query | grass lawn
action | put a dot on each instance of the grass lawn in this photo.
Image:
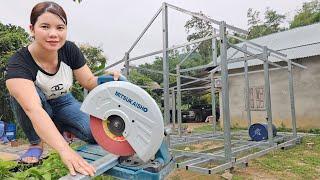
(299, 162)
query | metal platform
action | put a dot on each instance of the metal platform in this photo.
(212, 160)
(99, 158)
(121, 167)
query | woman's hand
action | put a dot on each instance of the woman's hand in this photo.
(76, 163)
(116, 74)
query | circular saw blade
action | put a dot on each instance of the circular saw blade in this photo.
(108, 141)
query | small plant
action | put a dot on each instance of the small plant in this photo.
(51, 168)
(314, 131)
(5, 169)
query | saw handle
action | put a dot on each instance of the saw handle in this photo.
(107, 78)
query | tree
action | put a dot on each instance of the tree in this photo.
(12, 38)
(141, 79)
(197, 28)
(96, 61)
(271, 23)
(157, 65)
(94, 56)
(309, 14)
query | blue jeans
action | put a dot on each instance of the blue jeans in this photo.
(64, 112)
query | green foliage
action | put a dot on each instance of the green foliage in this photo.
(5, 167)
(77, 91)
(314, 130)
(174, 58)
(94, 56)
(198, 28)
(157, 65)
(271, 23)
(12, 38)
(308, 14)
(51, 168)
(96, 61)
(140, 79)
(283, 128)
(206, 99)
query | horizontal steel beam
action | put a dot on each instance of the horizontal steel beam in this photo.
(263, 152)
(197, 68)
(279, 57)
(239, 30)
(252, 72)
(187, 56)
(252, 54)
(195, 88)
(202, 79)
(172, 48)
(197, 154)
(101, 165)
(258, 45)
(161, 72)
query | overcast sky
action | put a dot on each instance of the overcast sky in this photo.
(115, 25)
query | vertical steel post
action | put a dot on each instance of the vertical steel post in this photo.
(126, 65)
(214, 48)
(165, 63)
(292, 103)
(225, 91)
(179, 100)
(247, 88)
(213, 90)
(213, 102)
(267, 95)
(173, 111)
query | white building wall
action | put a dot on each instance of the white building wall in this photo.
(307, 96)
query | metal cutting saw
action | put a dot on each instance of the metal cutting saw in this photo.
(127, 122)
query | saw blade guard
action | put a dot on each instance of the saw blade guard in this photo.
(144, 127)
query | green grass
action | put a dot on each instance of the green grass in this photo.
(206, 128)
(301, 161)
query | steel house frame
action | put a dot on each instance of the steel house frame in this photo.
(234, 143)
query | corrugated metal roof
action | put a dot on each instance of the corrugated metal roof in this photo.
(295, 43)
